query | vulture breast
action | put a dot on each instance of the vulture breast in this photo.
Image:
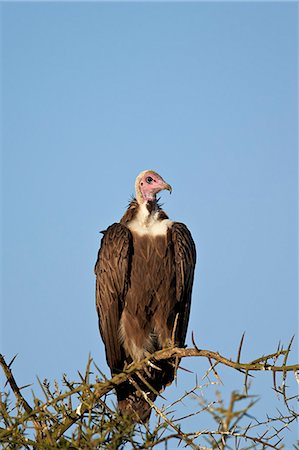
(150, 304)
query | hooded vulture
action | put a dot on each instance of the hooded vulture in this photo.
(144, 276)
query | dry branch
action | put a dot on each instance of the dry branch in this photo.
(58, 418)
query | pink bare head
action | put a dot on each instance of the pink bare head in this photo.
(148, 184)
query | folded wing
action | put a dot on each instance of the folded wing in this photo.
(112, 271)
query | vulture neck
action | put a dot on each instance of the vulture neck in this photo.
(148, 220)
(148, 211)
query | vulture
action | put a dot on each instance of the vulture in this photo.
(144, 277)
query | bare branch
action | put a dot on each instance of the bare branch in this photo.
(56, 415)
(12, 382)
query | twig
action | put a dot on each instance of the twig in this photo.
(12, 382)
(101, 388)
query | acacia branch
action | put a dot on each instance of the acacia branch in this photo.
(90, 394)
(12, 382)
(103, 388)
(259, 365)
(17, 391)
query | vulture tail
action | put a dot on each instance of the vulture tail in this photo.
(130, 395)
(131, 403)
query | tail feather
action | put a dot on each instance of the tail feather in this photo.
(136, 407)
(131, 399)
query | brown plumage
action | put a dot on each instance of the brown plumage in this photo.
(144, 276)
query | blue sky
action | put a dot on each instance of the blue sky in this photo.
(203, 93)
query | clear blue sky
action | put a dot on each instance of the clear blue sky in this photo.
(203, 93)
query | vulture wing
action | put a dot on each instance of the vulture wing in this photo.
(112, 271)
(185, 258)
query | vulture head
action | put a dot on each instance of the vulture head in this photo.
(148, 184)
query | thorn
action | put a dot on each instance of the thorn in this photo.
(214, 370)
(153, 366)
(100, 372)
(193, 341)
(78, 410)
(274, 380)
(11, 362)
(25, 386)
(278, 347)
(82, 378)
(240, 348)
(184, 369)
(245, 383)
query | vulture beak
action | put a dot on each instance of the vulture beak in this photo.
(168, 187)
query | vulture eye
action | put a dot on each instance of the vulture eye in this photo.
(149, 180)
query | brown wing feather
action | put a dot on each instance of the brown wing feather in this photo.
(185, 259)
(112, 271)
